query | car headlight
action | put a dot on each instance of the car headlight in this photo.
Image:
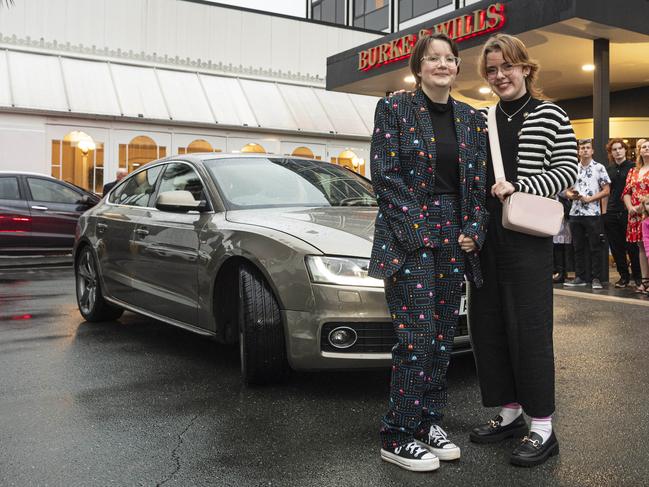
(345, 271)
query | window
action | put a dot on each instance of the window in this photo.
(51, 191)
(181, 177)
(137, 189)
(372, 14)
(198, 145)
(328, 11)
(78, 159)
(139, 151)
(409, 9)
(9, 189)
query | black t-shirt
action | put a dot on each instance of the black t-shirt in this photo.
(447, 171)
(618, 174)
(509, 116)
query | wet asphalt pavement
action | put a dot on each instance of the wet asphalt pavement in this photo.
(138, 402)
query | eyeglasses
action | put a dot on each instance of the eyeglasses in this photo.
(506, 69)
(438, 60)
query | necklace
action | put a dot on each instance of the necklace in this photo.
(509, 117)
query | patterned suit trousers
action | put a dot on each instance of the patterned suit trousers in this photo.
(424, 301)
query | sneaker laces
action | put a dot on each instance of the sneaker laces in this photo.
(414, 448)
(438, 435)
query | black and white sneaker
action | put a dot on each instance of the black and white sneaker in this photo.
(437, 442)
(411, 456)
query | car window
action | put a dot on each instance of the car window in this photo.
(52, 191)
(9, 188)
(274, 182)
(137, 189)
(181, 177)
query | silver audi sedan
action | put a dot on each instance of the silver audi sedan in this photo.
(268, 251)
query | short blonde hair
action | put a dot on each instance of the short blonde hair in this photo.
(514, 52)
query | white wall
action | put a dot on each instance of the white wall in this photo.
(22, 143)
(177, 28)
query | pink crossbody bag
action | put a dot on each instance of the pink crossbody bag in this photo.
(523, 212)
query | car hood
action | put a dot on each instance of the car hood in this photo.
(334, 231)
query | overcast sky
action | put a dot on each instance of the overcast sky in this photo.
(288, 7)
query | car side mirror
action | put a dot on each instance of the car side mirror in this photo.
(85, 200)
(178, 202)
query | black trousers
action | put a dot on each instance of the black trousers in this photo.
(615, 225)
(564, 258)
(510, 320)
(586, 231)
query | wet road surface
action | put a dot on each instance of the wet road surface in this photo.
(138, 402)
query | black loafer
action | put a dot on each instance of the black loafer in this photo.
(532, 451)
(493, 432)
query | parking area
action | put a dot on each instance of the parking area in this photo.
(138, 402)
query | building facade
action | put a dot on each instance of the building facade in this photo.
(591, 54)
(87, 87)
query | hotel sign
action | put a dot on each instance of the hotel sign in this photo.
(477, 23)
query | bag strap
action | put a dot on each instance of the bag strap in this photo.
(494, 145)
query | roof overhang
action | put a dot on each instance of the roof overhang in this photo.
(558, 33)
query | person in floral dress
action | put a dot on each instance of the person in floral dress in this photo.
(637, 187)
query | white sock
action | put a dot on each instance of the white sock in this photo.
(542, 427)
(509, 412)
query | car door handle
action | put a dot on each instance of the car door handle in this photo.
(39, 207)
(142, 232)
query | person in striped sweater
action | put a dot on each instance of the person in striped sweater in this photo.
(511, 315)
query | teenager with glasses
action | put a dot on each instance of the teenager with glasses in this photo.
(511, 315)
(428, 161)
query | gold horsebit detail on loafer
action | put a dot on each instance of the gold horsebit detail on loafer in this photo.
(527, 439)
(493, 423)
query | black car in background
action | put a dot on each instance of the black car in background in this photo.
(38, 213)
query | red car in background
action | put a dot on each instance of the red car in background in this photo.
(38, 213)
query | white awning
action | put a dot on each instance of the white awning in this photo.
(89, 87)
(228, 101)
(37, 81)
(268, 105)
(5, 92)
(139, 92)
(52, 83)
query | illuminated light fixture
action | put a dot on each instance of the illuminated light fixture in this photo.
(409, 79)
(588, 67)
(81, 140)
(484, 90)
(626, 141)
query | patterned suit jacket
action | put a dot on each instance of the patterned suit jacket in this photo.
(403, 157)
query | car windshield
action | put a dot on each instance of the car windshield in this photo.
(278, 182)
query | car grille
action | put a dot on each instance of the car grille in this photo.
(373, 337)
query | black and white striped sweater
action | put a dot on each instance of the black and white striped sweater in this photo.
(547, 151)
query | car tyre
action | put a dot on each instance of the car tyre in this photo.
(90, 299)
(261, 332)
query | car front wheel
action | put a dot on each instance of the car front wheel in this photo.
(90, 299)
(261, 334)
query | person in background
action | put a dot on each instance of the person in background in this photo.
(428, 172)
(645, 228)
(511, 316)
(593, 184)
(119, 175)
(562, 245)
(638, 143)
(637, 187)
(616, 216)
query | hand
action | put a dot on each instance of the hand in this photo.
(571, 194)
(502, 189)
(467, 244)
(585, 199)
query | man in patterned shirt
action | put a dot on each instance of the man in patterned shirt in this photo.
(593, 184)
